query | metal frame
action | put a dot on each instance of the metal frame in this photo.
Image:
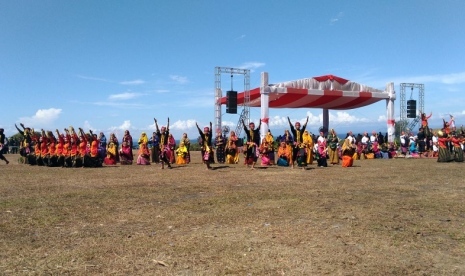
(245, 114)
(404, 122)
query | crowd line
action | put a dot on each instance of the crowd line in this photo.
(75, 148)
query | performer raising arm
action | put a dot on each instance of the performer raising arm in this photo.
(298, 140)
(165, 151)
(253, 140)
(207, 151)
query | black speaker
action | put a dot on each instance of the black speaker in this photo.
(411, 104)
(411, 109)
(231, 102)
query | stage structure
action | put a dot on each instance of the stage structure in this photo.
(404, 123)
(245, 102)
(326, 92)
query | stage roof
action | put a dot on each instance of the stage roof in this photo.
(329, 92)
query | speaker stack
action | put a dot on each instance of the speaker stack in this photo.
(231, 102)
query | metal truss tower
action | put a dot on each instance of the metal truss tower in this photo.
(404, 122)
(245, 114)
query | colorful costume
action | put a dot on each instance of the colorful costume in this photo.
(253, 140)
(125, 154)
(187, 144)
(155, 148)
(347, 154)
(284, 155)
(220, 148)
(321, 155)
(332, 149)
(110, 159)
(458, 152)
(144, 154)
(207, 150)
(444, 153)
(182, 154)
(233, 138)
(298, 150)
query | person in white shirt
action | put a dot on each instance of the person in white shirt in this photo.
(374, 137)
(351, 137)
(435, 144)
(403, 143)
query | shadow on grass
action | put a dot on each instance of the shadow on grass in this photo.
(219, 168)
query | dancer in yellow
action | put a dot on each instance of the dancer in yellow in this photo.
(308, 146)
(182, 154)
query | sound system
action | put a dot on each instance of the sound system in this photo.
(411, 109)
(231, 102)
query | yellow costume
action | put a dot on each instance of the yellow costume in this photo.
(182, 154)
(308, 144)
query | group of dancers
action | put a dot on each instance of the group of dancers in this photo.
(79, 149)
(295, 147)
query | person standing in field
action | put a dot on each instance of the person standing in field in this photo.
(187, 143)
(332, 147)
(220, 145)
(2, 143)
(252, 144)
(207, 150)
(172, 146)
(165, 152)
(298, 140)
(458, 152)
(155, 148)
(233, 145)
(444, 153)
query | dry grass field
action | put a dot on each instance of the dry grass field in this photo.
(381, 217)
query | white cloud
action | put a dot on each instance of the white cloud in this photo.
(42, 118)
(382, 118)
(453, 78)
(335, 19)
(278, 121)
(120, 105)
(241, 37)
(179, 79)
(132, 82)
(449, 79)
(342, 117)
(125, 96)
(229, 124)
(125, 126)
(162, 91)
(92, 78)
(183, 125)
(251, 65)
(88, 126)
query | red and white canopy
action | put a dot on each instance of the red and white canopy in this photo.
(328, 92)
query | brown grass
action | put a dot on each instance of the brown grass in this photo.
(382, 217)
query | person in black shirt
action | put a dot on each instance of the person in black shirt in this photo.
(165, 151)
(253, 142)
(2, 144)
(207, 150)
(421, 141)
(298, 140)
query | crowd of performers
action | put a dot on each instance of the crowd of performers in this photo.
(295, 147)
(79, 149)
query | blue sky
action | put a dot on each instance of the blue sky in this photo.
(114, 65)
